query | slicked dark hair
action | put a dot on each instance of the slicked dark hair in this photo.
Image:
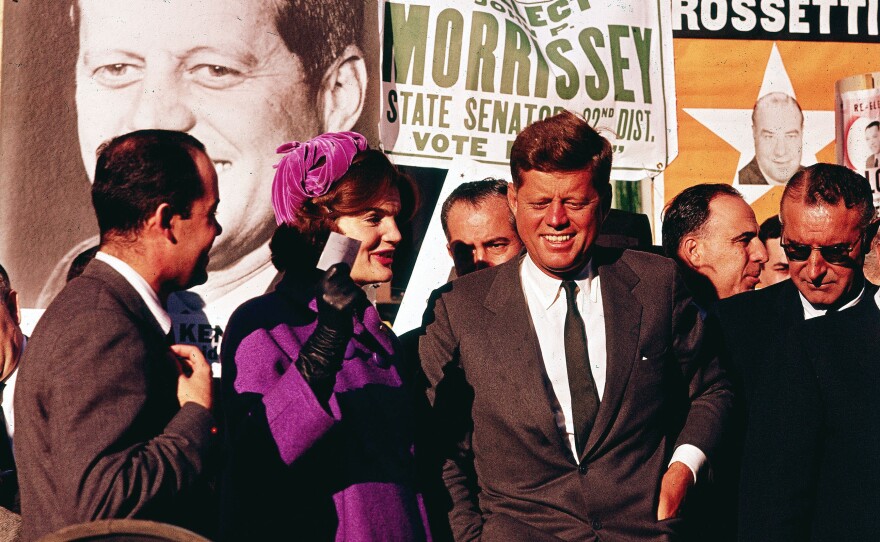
(831, 184)
(688, 212)
(873, 124)
(317, 31)
(770, 229)
(562, 143)
(475, 193)
(139, 171)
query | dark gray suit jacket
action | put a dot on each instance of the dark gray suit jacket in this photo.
(101, 434)
(751, 174)
(835, 383)
(511, 474)
(763, 337)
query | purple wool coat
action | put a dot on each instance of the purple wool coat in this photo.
(295, 471)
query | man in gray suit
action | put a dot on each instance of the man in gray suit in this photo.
(572, 385)
(118, 419)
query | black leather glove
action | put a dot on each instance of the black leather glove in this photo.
(321, 356)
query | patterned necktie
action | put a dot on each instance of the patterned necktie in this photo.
(584, 398)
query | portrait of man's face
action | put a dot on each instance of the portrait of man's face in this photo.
(872, 137)
(217, 69)
(778, 133)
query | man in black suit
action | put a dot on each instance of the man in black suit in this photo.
(778, 131)
(712, 233)
(872, 138)
(825, 210)
(12, 342)
(118, 419)
(834, 384)
(570, 409)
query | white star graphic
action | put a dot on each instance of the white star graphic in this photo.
(735, 125)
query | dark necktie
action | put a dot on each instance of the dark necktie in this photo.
(6, 461)
(584, 398)
(8, 478)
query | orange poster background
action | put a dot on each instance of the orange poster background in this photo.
(727, 74)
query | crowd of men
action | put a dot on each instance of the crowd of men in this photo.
(579, 389)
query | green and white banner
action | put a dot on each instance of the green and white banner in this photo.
(461, 79)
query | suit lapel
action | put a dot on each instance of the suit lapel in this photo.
(623, 314)
(126, 294)
(514, 344)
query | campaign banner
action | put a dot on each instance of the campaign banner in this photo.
(857, 123)
(755, 85)
(461, 79)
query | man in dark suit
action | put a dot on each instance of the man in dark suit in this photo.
(778, 131)
(825, 210)
(833, 381)
(118, 420)
(12, 342)
(872, 138)
(712, 233)
(570, 410)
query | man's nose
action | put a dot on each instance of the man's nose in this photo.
(163, 103)
(757, 251)
(556, 215)
(479, 256)
(779, 147)
(816, 266)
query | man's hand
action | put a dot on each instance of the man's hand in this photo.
(194, 380)
(673, 490)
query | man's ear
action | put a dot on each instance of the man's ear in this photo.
(690, 252)
(511, 198)
(162, 221)
(605, 200)
(13, 306)
(342, 91)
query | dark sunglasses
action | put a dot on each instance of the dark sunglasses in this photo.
(835, 254)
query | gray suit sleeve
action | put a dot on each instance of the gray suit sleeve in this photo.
(100, 401)
(696, 343)
(438, 351)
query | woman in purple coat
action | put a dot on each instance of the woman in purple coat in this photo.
(318, 406)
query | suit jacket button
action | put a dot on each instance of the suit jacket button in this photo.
(597, 525)
(582, 468)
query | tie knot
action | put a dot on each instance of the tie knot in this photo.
(571, 289)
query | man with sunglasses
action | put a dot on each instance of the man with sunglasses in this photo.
(825, 210)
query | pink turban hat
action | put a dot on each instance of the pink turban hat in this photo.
(308, 170)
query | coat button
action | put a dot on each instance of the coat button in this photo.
(597, 525)
(582, 468)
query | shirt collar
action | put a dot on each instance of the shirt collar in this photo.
(812, 312)
(141, 286)
(548, 288)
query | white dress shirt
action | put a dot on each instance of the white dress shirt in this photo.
(812, 312)
(141, 286)
(547, 306)
(7, 397)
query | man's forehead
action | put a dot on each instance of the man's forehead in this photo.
(770, 115)
(466, 214)
(801, 216)
(558, 182)
(730, 215)
(174, 25)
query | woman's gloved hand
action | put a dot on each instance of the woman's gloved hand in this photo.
(321, 356)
